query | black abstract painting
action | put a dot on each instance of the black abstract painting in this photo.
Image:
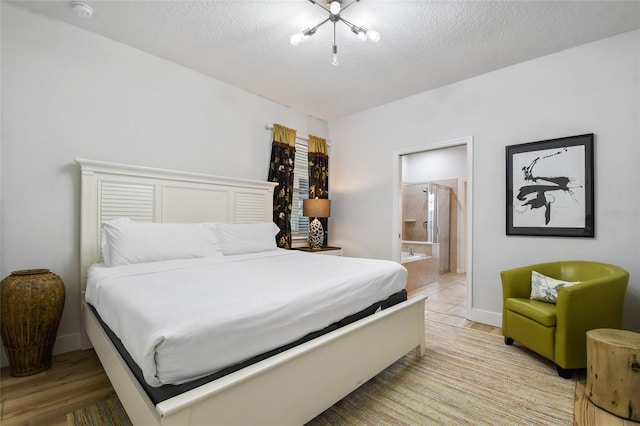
(550, 187)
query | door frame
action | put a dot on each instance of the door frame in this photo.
(397, 202)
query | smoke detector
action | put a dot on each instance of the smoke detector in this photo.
(81, 9)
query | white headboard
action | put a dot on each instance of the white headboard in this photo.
(111, 190)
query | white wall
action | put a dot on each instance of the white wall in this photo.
(589, 89)
(437, 164)
(68, 93)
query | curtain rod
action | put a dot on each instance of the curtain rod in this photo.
(269, 127)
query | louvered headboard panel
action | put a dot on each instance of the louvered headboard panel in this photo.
(121, 199)
(111, 190)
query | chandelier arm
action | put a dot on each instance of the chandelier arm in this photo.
(349, 24)
(344, 7)
(320, 5)
(334, 62)
(313, 29)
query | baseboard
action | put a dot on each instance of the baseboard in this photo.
(66, 343)
(485, 317)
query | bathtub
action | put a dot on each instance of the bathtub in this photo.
(421, 267)
(406, 257)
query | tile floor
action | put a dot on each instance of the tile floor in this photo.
(447, 302)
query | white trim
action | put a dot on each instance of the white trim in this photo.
(461, 268)
(484, 317)
(396, 215)
(167, 174)
(67, 343)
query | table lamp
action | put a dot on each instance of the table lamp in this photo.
(315, 208)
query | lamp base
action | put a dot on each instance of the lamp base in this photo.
(316, 234)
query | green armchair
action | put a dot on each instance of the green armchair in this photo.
(558, 331)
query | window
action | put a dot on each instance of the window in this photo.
(300, 223)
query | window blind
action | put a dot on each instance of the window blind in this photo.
(300, 223)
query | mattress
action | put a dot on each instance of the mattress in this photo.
(164, 392)
(181, 320)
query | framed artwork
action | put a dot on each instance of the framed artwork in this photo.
(550, 187)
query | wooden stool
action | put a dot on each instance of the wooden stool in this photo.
(613, 371)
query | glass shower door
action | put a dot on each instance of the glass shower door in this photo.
(438, 224)
(443, 225)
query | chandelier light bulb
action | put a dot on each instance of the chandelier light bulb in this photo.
(335, 7)
(335, 59)
(374, 36)
(362, 35)
(296, 38)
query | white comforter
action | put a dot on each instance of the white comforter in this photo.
(183, 319)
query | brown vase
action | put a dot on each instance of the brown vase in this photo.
(31, 301)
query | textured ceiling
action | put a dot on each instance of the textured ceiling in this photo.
(424, 44)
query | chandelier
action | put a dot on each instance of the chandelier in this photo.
(335, 9)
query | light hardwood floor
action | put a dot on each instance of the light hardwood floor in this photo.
(77, 379)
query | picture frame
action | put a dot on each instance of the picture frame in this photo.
(550, 187)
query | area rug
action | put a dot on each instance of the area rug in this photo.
(105, 413)
(467, 377)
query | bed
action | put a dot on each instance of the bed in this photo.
(291, 386)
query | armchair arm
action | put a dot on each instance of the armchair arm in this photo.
(586, 306)
(517, 282)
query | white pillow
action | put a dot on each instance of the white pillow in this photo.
(239, 238)
(125, 241)
(546, 288)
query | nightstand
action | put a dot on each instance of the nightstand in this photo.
(331, 251)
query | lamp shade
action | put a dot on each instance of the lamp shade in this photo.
(318, 207)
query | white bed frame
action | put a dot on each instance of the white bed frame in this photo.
(290, 388)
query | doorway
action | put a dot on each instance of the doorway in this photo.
(447, 199)
(428, 214)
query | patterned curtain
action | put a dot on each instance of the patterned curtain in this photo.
(283, 153)
(319, 175)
